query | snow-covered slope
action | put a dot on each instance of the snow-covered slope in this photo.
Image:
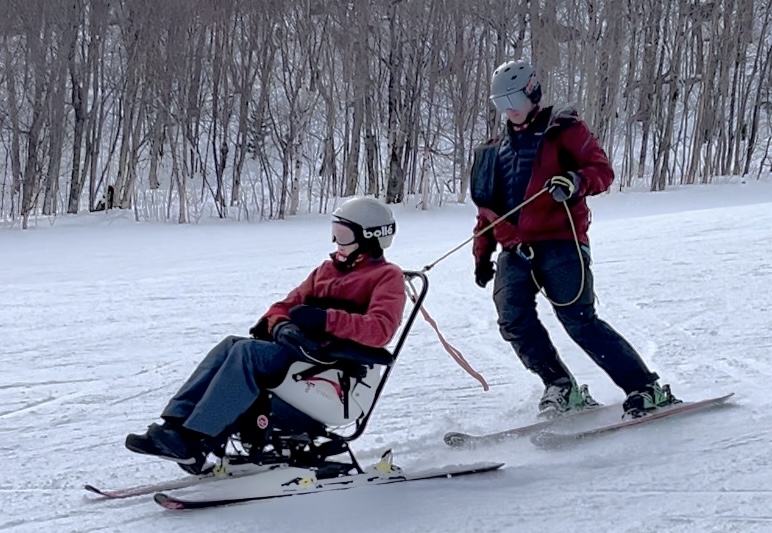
(102, 319)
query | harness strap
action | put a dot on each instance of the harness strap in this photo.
(345, 387)
(345, 373)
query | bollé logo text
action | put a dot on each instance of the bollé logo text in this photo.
(383, 231)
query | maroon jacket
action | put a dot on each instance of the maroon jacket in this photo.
(567, 145)
(372, 293)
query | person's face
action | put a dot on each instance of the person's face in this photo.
(518, 116)
(344, 238)
(515, 106)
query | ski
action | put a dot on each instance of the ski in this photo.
(551, 439)
(307, 485)
(217, 474)
(458, 440)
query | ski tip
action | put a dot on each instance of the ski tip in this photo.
(108, 494)
(93, 489)
(167, 502)
(491, 467)
(455, 439)
(480, 468)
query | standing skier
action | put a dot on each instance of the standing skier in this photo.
(545, 246)
(356, 296)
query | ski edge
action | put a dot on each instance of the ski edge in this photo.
(141, 490)
(549, 439)
(457, 439)
(172, 503)
(175, 484)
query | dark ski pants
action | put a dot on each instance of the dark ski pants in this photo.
(557, 268)
(225, 383)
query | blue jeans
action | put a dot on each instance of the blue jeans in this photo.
(557, 268)
(227, 382)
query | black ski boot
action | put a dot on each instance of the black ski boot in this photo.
(650, 398)
(564, 395)
(171, 443)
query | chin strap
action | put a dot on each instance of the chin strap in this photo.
(351, 261)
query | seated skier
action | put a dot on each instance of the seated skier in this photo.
(354, 298)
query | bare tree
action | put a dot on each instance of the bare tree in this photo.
(762, 68)
(291, 115)
(37, 34)
(396, 143)
(261, 104)
(78, 99)
(251, 61)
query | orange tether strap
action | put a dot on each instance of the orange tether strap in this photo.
(452, 350)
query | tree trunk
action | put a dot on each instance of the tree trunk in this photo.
(32, 165)
(79, 109)
(371, 149)
(352, 163)
(396, 181)
(55, 136)
(13, 114)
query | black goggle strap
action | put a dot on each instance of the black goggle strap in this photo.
(356, 232)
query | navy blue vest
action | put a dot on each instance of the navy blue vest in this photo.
(514, 165)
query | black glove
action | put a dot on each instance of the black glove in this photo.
(564, 188)
(289, 335)
(309, 318)
(260, 330)
(483, 273)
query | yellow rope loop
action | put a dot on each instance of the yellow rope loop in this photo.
(581, 264)
(533, 276)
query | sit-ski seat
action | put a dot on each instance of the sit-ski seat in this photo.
(335, 394)
(319, 400)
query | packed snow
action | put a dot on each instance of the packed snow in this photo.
(102, 319)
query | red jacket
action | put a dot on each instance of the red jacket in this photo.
(567, 145)
(374, 288)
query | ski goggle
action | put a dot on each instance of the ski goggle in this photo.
(343, 235)
(516, 100)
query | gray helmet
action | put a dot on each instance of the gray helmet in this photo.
(514, 86)
(369, 218)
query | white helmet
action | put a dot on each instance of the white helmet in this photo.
(514, 85)
(369, 218)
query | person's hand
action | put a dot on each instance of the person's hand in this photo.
(563, 188)
(260, 330)
(289, 335)
(483, 272)
(309, 318)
